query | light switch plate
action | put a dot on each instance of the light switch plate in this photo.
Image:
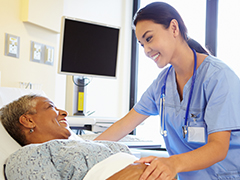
(36, 51)
(12, 44)
(49, 55)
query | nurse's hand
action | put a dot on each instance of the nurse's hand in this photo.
(160, 168)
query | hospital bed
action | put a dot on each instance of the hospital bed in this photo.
(8, 145)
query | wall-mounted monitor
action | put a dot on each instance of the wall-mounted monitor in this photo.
(88, 48)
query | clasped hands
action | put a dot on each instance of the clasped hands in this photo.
(147, 168)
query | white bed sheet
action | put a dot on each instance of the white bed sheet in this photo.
(109, 166)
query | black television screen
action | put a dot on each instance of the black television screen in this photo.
(88, 48)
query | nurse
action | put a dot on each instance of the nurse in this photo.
(197, 98)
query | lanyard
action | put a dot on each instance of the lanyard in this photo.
(162, 99)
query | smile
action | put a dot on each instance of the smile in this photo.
(155, 56)
(62, 121)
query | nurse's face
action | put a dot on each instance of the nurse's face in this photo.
(157, 41)
(50, 122)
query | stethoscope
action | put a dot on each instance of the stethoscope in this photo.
(163, 130)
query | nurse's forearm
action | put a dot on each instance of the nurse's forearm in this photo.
(214, 151)
(122, 127)
(113, 133)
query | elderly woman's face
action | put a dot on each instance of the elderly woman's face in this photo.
(50, 122)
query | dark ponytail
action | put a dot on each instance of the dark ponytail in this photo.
(162, 13)
(195, 45)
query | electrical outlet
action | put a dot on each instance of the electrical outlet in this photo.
(12, 44)
(36, 52)
(49, 55)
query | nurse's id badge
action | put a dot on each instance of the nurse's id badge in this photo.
(196, 134)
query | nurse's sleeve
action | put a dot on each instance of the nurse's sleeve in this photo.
(223, 108)
(148, 104)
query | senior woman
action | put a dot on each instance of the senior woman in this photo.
(47, 153)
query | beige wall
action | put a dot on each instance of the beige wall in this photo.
(15, 70)
(107, 97)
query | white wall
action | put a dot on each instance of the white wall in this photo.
(107, 97)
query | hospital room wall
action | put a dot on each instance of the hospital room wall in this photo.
(107, 97)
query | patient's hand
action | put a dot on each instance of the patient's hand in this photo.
(131, 172)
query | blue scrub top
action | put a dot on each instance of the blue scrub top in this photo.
(215, 104)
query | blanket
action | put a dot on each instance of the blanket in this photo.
(59, 159)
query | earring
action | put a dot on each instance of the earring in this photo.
(31, 130)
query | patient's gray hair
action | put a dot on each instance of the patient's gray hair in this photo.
(10, 114)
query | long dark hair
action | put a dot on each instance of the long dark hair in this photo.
(162, 13)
